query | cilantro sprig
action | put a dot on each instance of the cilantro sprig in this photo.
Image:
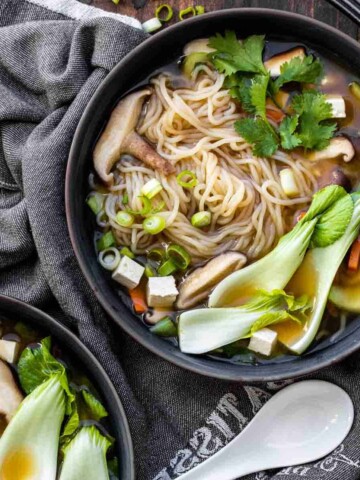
(241, 62)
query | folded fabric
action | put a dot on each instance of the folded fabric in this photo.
(53, 56)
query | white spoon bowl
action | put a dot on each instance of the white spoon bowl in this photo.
(300, 424)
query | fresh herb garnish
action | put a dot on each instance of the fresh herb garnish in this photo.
(232, 56)
(298, 69)
(313, 112)
(309, 124)
(260, 134)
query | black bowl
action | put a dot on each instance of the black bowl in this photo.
(13, 308)
(154, 53)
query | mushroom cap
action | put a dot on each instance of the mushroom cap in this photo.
(197, 286)
(338, 147)
(122, 122)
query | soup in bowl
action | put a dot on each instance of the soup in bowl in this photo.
(60, 416)
(223, 188)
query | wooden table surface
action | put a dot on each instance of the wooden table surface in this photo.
(319, 9)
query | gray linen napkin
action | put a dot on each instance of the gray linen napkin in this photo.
(53, 55)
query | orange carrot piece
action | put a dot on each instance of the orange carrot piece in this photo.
(275, 115)
(354, 258)
(300, 216)
(137, 296)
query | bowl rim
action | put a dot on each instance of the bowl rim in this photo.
(101, 380)
(222, 371)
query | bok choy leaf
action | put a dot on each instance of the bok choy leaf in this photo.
(85, 456)
(275, 269)
(30, 441)
(206, 329)
(325, 263)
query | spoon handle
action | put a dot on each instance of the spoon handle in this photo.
(227, 464)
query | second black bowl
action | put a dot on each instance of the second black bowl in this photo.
(12, 308)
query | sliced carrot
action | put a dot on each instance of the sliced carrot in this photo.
(137, 296)
(300, 216)
(354, 258)
(275, 114)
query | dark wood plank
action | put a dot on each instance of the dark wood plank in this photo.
(319, 9)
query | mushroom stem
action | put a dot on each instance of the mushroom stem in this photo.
(120, 137)
(10, 395)
(135, 145)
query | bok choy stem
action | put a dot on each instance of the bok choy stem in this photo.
(85, 456)
(32, 436)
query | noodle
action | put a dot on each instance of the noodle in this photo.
(193, 128)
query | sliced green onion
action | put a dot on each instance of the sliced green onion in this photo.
(192, 60)
(179, 256)
(187, 11)
(157, 254)
(124, 219)
(146, 207)
(354, 88)
(199, 9)
(187, 184)
(154, 224)
(151, 188)
(127, 252)
(169, 12)
(167, 268)
(201, 219)
(165, 328)
(109, 258)
(102, 219)
(106, 241)
(95, 202)
(125, 199)
(152, 25)
(116, 2)
(149, 271)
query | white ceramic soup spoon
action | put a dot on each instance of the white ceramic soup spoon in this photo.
(301, 423)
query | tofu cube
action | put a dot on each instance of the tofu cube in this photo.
(263, 341)
(288, 183)
(273, 65)
(9, 350)
(161, 291)
(128, 273)
(338, 105)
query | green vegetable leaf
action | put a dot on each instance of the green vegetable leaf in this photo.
(233, 56)
(205, 329)
(96, 409)
(37, 365)
(333, 223)
(314, 128)
(258, 91)
(72, 424)
(260, 134)
(324, 199)
(239, 88)
(298, 69)
(289, 139)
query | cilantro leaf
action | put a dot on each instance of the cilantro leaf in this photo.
(289, 139)
(239, 88)
(232, 55)
(302, 70)
(251, 92)
(312, 109)
(258, 91)
(260, 134)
